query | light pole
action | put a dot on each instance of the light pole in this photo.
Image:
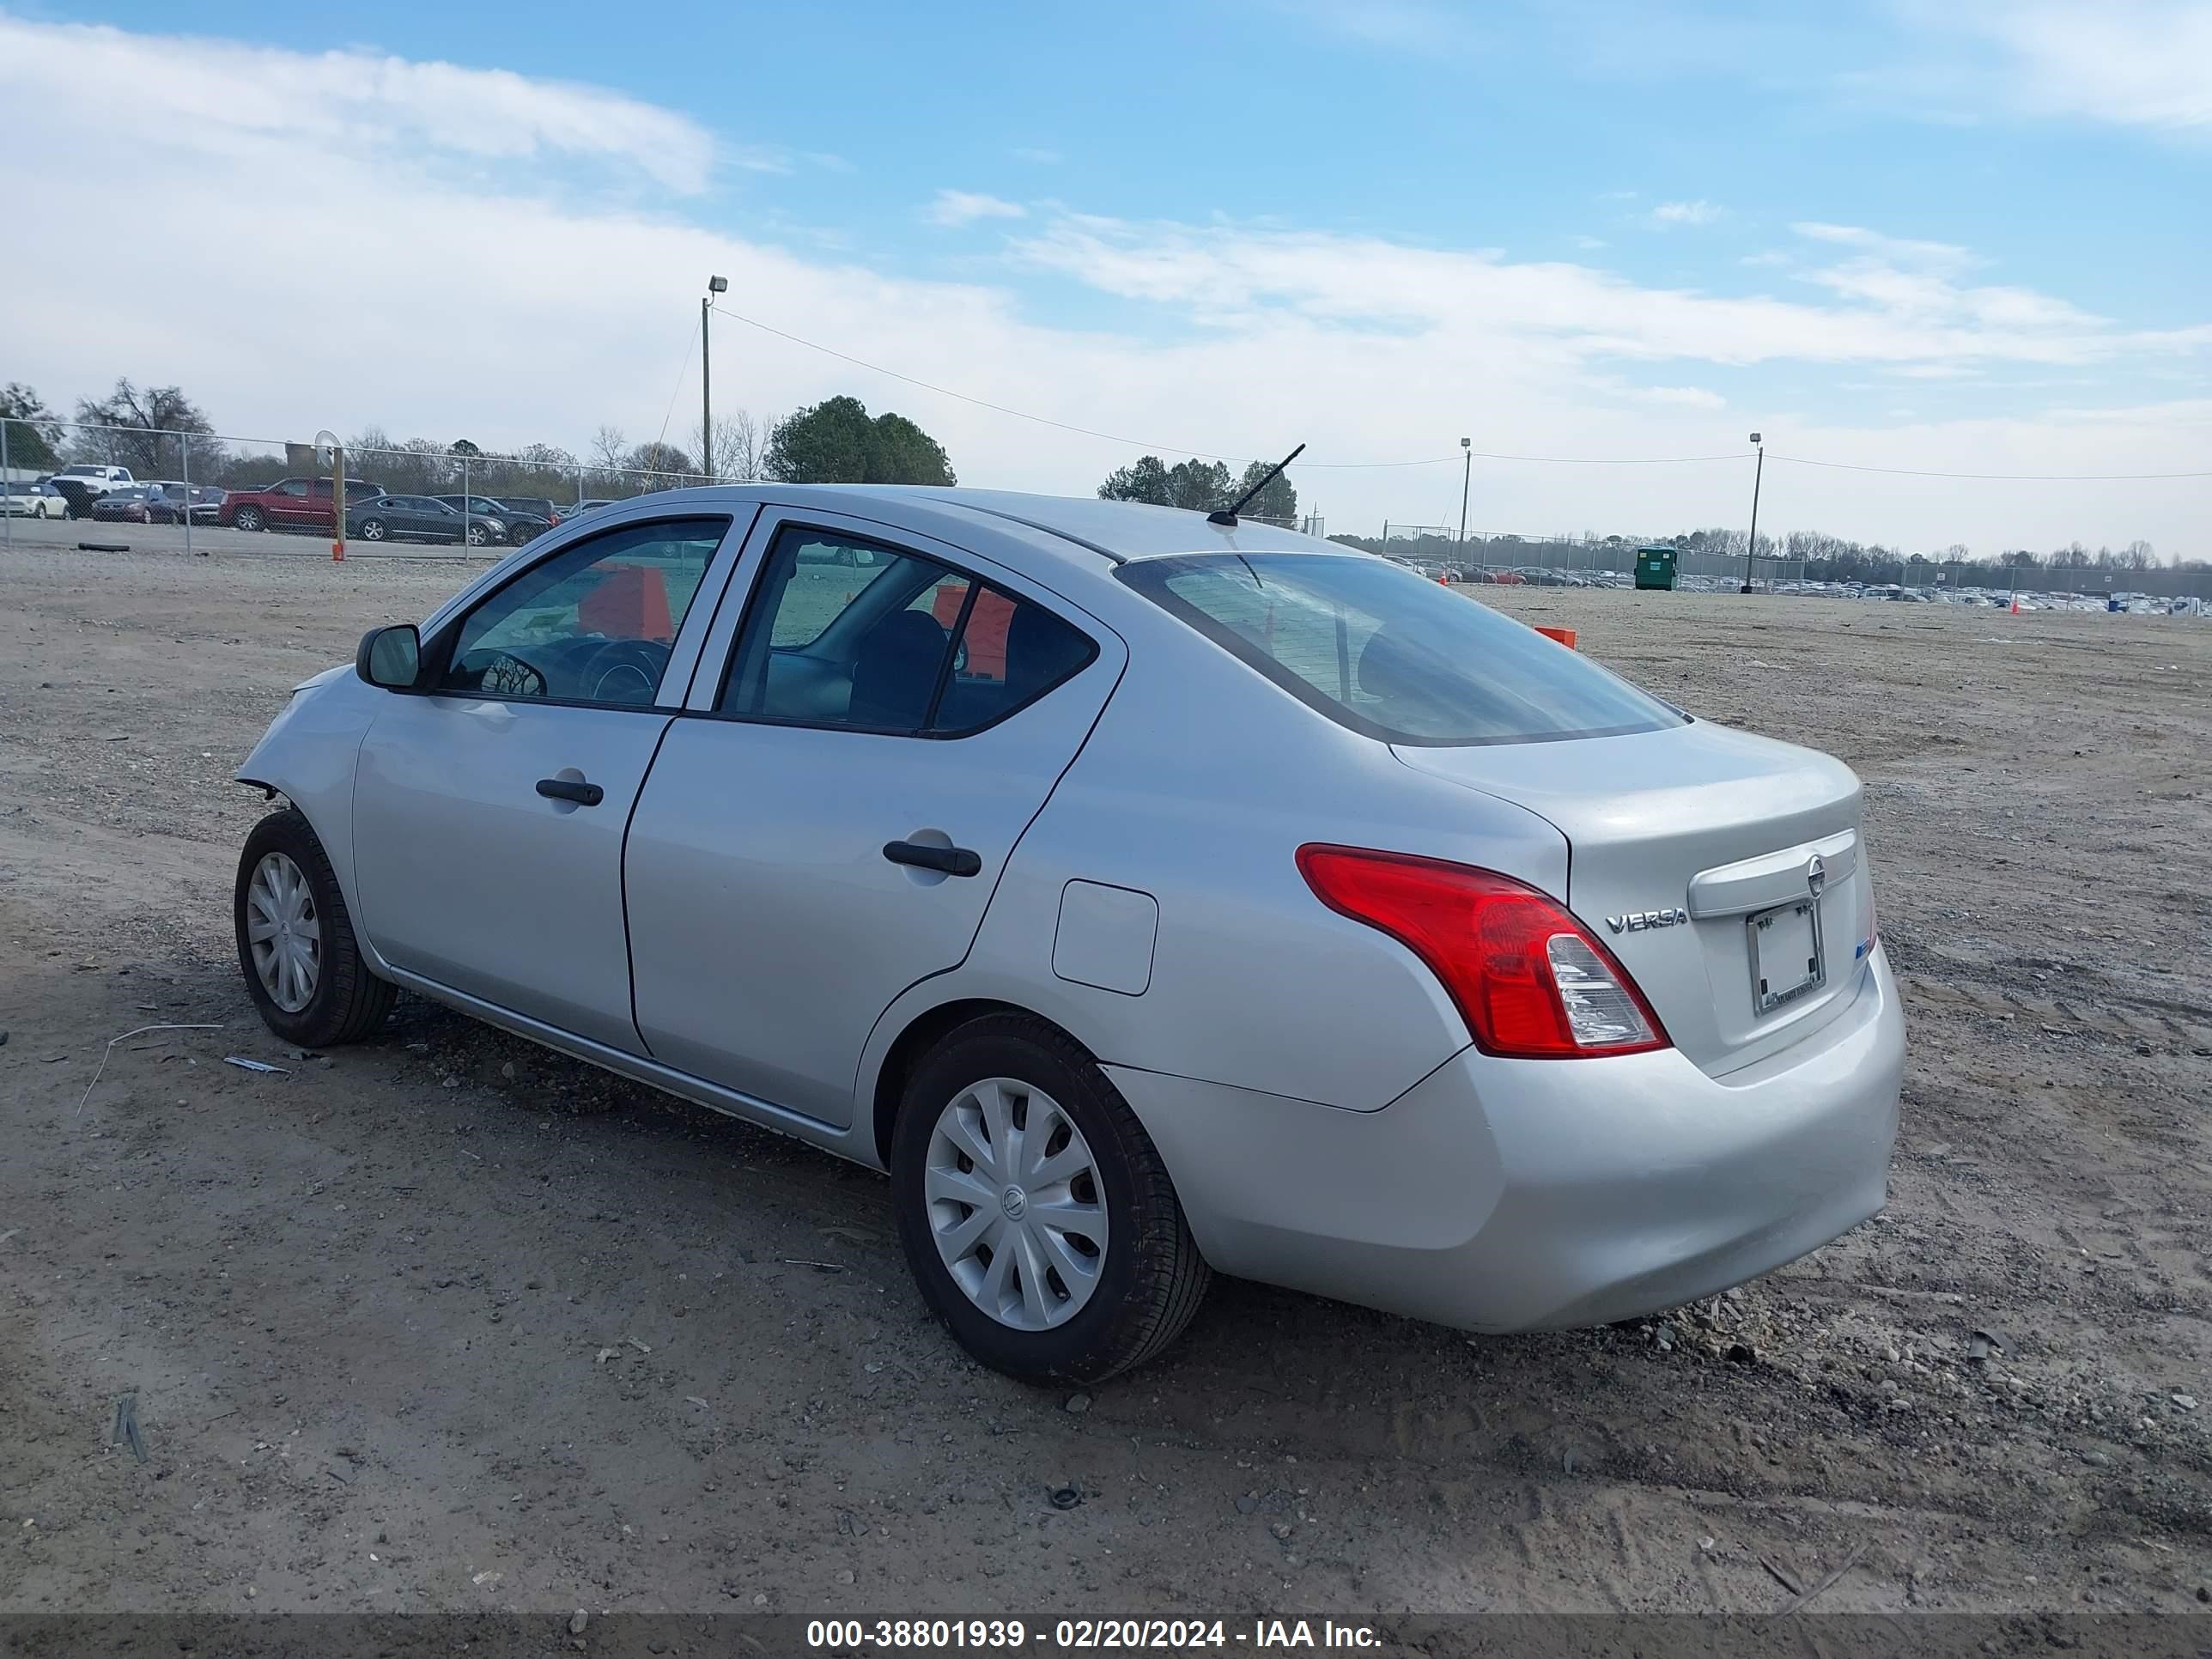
(1750, 547)
(1466, 477)
(715, 285)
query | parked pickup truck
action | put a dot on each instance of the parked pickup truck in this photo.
(290, 504)
(97, 480)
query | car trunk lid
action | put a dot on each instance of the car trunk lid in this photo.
(1722, 869)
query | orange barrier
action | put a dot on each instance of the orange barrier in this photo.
(629, 603)
(1565, 636)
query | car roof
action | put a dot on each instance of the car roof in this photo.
(1076, 529)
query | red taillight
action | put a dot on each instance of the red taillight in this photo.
(1532, 982)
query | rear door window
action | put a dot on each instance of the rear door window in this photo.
(1381, 650)
(847, 633)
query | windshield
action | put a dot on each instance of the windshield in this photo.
(1393, 655)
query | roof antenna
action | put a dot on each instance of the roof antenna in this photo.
(1228, 514)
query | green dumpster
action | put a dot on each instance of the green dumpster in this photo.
(1655, 566)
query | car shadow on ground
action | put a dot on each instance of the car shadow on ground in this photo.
(1261, 1354)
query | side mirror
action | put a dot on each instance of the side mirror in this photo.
(390, 657)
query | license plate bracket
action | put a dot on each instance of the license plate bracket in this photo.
(1787, 961)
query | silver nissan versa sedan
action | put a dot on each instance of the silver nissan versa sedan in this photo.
(1151, 896)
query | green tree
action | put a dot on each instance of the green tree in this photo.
(1202, 486)
(1279, 500)
(149, 421)
(34, 432)
(835, 441)
(900, 453)
(462, 446)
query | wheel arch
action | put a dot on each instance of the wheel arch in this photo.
(922, 1032)
(306, 759)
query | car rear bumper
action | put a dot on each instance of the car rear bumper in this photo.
(1528, 1194)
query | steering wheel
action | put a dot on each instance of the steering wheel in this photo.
(624, 671)
(502, 674)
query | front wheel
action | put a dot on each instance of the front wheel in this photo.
(478, 535)
(373, 530)
(1036, 1215)
(250, 519)
(303, 965)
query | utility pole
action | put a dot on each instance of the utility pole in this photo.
(1466, 477)
(1750, 547)
(715, 285)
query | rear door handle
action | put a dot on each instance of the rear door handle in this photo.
(953, 860)
(584, 794)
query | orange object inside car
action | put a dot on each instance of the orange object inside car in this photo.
(987, 628)
(630, 604)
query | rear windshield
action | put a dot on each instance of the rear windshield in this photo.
(1392, 654)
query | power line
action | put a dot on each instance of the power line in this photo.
(691, 342)
(1428, 460)
(2007, 478)
(1204, 454)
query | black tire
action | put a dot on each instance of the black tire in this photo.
(349, 1002)
(1154, 1277)
(372, 529)
(250, 519)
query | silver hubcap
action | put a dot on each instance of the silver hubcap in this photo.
(1015, 1203)
(373, 531)
(284, 933)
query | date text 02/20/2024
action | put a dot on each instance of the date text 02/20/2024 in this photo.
(1084, 1634)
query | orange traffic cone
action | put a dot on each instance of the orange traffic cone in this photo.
(2015, 605)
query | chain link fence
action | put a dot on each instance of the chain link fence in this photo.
(1491, 555)
(205, 481)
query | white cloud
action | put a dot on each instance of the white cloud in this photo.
(1943, 255)
(231, 97)
(542, 314)
(1042, 158)
(965, 207)
(1588, 244)
(2139, 63)
(1235, 277)
(1681, 396)
(1685, 213)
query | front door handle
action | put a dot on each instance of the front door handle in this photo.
(953, 860)
(584, 794)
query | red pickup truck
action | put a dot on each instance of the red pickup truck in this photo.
(292, 504)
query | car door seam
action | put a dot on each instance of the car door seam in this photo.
(622, 870)
(983, 915)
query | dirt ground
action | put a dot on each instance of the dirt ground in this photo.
(414, 1326)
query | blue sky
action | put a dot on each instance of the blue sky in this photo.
(1965, 237)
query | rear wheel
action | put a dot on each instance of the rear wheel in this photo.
(1036, 1215)
(303, 966)
(250, 519)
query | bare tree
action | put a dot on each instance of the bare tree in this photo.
(145, 430)
(610, 447)
(740, 443)
(661, 466)
(2141, 555)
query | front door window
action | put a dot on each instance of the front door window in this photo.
(594, 623)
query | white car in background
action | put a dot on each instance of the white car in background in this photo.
(22, 500)
(99, 479)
